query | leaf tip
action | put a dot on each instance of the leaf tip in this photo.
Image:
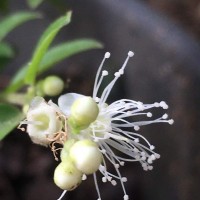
(68, 15)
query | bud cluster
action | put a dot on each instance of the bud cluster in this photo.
(76, 157)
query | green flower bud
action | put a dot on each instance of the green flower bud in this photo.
(53, 85)
(86, 156)
(67, 176)
(84, 111)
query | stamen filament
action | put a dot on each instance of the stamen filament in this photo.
(96, 186)
(109, 87)
(32, 122)
(107, 55)
(62, 195)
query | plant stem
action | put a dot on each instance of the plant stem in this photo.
(14, 98)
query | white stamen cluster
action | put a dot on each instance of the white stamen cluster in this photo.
(114, 131)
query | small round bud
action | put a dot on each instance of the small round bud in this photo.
(86, 156)
(67, 176)
(53, 85)
(84, 111)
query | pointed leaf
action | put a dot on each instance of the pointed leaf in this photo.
(6, 53)
(14, 20)
(43, 45)
(6, 50)
(10, 117)
(54, 55)
(65, 50)
(34, 3)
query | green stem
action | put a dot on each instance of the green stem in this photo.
(14, 98)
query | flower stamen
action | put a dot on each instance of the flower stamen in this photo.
(96, 186)
(109, 87)
(95, 90)
(62, 195)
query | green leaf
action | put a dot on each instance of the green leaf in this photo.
(53, 56)
(43, 45)
(65, 50)
(18, 80)
(6, 53)
(6, 50)
(34, 3)
(14, 20)
(10, 117)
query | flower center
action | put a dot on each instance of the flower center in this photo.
(44, 119)
(101, 127)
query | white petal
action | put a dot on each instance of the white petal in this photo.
(36, 102)
(53, 105)
(65, 101)
(49, 124)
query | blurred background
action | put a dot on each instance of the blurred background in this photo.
(165, 36)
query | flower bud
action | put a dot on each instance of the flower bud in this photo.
(67, 176)
(53, 85)
(86, 156)
(84, 111)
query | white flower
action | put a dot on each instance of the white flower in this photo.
(43, 121)
(114, 129)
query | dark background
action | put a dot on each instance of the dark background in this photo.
(165, 35)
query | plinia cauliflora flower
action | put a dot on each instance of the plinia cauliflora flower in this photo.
(45, 123)
(112, 126)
